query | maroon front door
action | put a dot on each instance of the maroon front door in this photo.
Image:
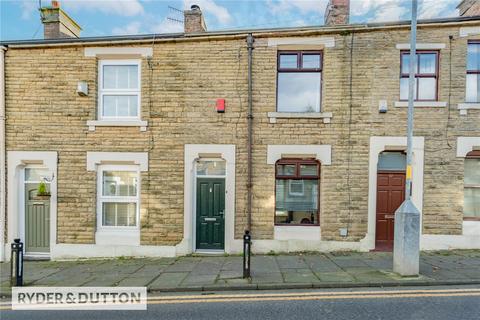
(390, 195)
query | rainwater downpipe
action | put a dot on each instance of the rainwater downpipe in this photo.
(250, 41)
(2, 154)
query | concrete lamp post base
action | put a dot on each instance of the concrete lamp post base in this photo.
(406, 247)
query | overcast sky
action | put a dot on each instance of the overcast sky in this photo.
(20, 18)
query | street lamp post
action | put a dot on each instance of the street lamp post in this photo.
(406, 249)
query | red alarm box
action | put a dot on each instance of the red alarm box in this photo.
(220, 105)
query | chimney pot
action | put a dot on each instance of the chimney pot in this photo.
(193, 20)
(337, 12)
(57, 23)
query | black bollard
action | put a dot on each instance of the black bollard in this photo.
(16, 264)
(247, 245)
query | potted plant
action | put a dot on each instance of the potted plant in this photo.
(42, 193)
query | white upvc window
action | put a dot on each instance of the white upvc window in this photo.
(473, 72)
(118, 190)
(119, 89)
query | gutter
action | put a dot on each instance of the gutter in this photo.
(250, 41)
(236, 34)
(2, 154)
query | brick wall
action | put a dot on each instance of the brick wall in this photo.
(178, 100)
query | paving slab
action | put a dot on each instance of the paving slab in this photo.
(208, 266)
(380, 263)
(200, 273)
(168, 280)
(149, 269)
(264, 264)
(320, 263)
(299, 276)
(291, 262)
(334, 276)
(136, 281)
(348, 262)
(233, 264)
(227, 274)
(268, 277)
(186, 264)
(198, 280)
(374, 276)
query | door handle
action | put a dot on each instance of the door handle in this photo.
(210, 219)
(389, 216)
(38, 203)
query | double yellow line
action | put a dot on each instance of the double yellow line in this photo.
(299, 296)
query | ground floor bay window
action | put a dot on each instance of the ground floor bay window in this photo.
(297, 192)
(118, 197)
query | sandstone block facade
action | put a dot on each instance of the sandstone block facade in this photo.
(180, 85)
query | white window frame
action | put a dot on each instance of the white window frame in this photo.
(46, 179)
(101, 198)
(469, 186)
(126, 92)
(296, 182)
(468, 72)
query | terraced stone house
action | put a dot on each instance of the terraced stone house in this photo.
(169, 144)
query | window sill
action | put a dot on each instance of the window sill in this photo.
(298, 232)
(122, 236)
(463, 107)
(92, 124)
(273, 116)
(471, 219)
(422, 104)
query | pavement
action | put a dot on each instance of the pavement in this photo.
(283, 271)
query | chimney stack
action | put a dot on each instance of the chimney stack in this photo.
(469, 8)
(57, 24)
(193, 20)
(337, 12)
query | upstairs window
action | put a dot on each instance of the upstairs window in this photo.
(471, 191)
(296, 192)
(299, 81)
(426, 75)
(119, 90)
(473, 72)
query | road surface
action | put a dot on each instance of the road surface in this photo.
(438, 303)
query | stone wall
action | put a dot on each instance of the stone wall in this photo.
(179, 91)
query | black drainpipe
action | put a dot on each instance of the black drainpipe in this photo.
(250, 41)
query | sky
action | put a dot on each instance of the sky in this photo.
(20, 19)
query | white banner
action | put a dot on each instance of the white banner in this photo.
(79, 298)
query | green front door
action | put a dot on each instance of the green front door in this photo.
(37, 221)
(210, 229)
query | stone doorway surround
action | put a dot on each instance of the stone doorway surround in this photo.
(193, 152)
(378, 145)
(16, 162)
